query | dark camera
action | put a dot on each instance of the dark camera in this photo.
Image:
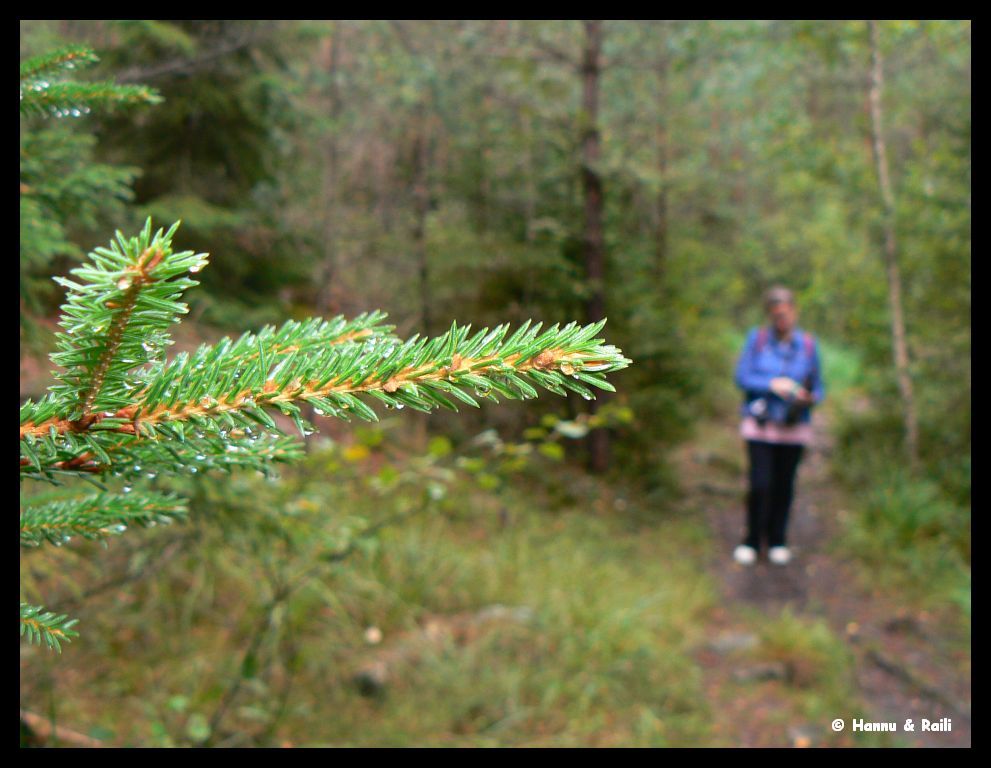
(758, 409)
(795, 408)
(793, 414)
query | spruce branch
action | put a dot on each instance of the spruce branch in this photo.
(77, 99)
(120, 408)
(180, 448)
(95, 517)
(304, 337)
(229, 388)
(48, 64)
(121, 405)
(117, 320)
(44, 626)
(42, 93)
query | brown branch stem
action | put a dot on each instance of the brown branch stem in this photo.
(84, 424)
(141, 276)
(296, 390)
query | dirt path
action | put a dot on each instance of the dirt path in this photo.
(905, 663)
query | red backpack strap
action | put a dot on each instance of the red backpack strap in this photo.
(761, 340)
(810, 352)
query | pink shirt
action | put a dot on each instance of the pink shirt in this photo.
(796, 434)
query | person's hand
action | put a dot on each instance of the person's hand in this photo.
(785, 388)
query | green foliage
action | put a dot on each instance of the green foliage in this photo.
(95, 517)
(842, 369)
(812, 655)
(818, 669)
(43, 93)
(76, 99)
(116, 321)
(215, 154)
(49, 64)
(910, 533)
(62, 189)
(44, 626)
(588, 614)
(59, 182)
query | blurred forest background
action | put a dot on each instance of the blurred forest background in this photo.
(530, 573)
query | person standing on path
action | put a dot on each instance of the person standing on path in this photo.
(780, 376)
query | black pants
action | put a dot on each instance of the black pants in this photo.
(772, 485)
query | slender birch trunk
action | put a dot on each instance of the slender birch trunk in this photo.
(891, 253)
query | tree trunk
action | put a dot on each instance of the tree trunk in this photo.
(594, 239)
(891, 254)
(529, 173)
(484, 188)
(529, 197)
(421, 206)
(661, 206)
(328, 270)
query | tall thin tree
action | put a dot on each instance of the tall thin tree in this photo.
(421, 208)
(663, 67)
(899, 342)
(328, 271)
(593, 190)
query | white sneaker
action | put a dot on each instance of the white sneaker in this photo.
(779, 555)
(745, 555)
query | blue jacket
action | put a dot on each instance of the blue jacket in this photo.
(757, 367)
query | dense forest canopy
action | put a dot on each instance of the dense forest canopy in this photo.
(435, 169)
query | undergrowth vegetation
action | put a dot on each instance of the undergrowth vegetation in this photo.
(525, 616)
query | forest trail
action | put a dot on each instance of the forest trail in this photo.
(905, 662)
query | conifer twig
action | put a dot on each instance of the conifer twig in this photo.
(42, 93)
(44, 626)
(120, 403)
(95, 517)
(121, 408)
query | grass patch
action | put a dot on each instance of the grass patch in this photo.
(911, 538)
(613, 596)
(819, 682)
